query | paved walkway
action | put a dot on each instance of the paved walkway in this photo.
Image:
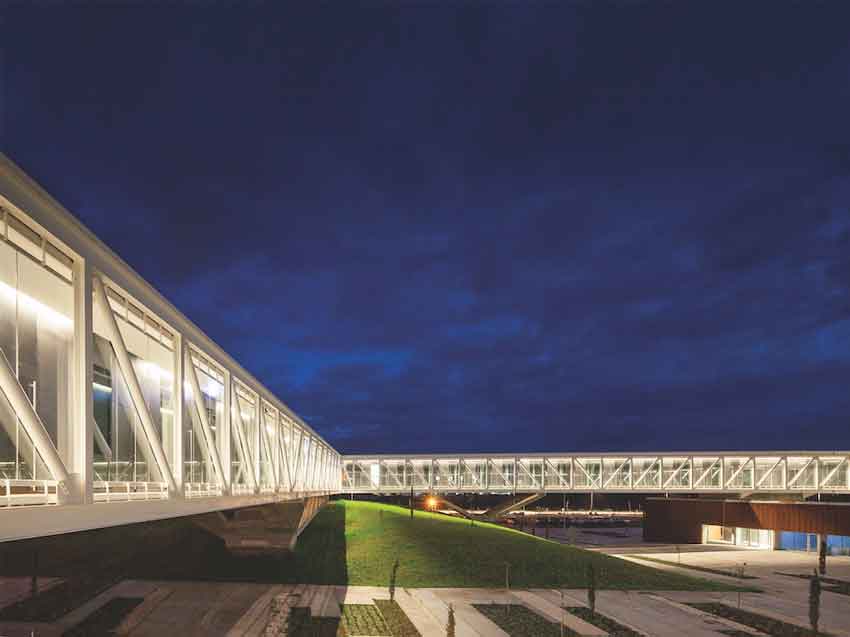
(242, 610)
(234, 609)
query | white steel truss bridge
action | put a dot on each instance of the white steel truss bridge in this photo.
(802, 472)
(114, 407)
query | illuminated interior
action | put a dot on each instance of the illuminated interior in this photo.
(36, 339)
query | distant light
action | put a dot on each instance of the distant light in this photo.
(431, 503)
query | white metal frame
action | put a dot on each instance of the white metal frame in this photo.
(72, 486)
(727, 472)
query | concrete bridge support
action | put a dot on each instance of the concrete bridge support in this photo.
(263, 529)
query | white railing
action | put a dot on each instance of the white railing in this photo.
(27, 492)
(241, 489)
(129, 491)
(201, 490)
(736, 472)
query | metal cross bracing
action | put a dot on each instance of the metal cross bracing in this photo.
(108, 394)
(718, 472)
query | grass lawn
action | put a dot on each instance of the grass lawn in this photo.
(356, 543)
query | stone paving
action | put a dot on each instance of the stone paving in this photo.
(234, 609)
(242, 610)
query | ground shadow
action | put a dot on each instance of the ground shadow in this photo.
(177, 549)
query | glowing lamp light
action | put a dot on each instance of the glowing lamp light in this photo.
(431, 503)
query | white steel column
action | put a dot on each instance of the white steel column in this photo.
(132, 382)
(225, 432)
(76, 448)
(258, 413)
(179, 427)
(197, 399)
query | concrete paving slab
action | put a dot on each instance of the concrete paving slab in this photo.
(127, 588)
(439, 610)
(143, 610)
(424, 621)
(360, 594)
(552, 611)
(724, 623)
(253, 622)
(306, 597)
(792, 608)
(26, 629)
(642, 613)
(331, 607)
(320, 599)
(15, 588)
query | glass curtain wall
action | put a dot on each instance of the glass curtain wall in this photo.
(295, 460)
(36, 339)
(286, 460)
(198, 467)
(245, 438)
(122, 452)
(268, 451)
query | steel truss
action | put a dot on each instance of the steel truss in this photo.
(225, 442)
(732, 472)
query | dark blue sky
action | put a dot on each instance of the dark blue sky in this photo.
(591, 227)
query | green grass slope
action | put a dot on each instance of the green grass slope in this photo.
(356, 543)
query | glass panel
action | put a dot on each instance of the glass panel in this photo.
(590, 476)
(677, 472)
(740, 473)
(36, 337)
(197, 462)
(769, 473)
(267, 457)
(617, 473)
(646, 473)
(502, 474)
(126, 455)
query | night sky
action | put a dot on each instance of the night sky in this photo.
(590, 226)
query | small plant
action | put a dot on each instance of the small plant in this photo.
(739, 572)
(814, 601)
(450, 626)
(563, 613)
(822, 552)
(393, 576)
(591, 588)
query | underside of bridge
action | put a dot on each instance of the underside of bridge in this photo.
(255, 544)
(262, 529)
